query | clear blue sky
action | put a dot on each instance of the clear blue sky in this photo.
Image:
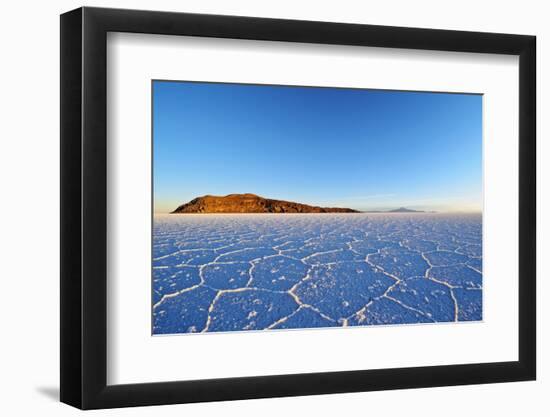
(363, 149)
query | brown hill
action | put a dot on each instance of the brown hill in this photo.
(251, 203)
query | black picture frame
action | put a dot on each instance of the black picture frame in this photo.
(84, 207)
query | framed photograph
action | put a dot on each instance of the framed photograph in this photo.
(257, 207)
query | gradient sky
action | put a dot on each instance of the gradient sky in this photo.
(363, 149)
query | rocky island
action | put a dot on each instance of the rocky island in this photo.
(251, 203)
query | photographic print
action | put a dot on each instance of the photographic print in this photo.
(297, 207)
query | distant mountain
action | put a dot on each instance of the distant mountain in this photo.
(251, 203)
(405, 210)
(398, 210)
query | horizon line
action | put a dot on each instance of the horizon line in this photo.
(412, 211)
(335, 203)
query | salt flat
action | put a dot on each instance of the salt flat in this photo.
(261, 271)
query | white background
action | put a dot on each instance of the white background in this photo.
(29, 177)
(134, 356)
